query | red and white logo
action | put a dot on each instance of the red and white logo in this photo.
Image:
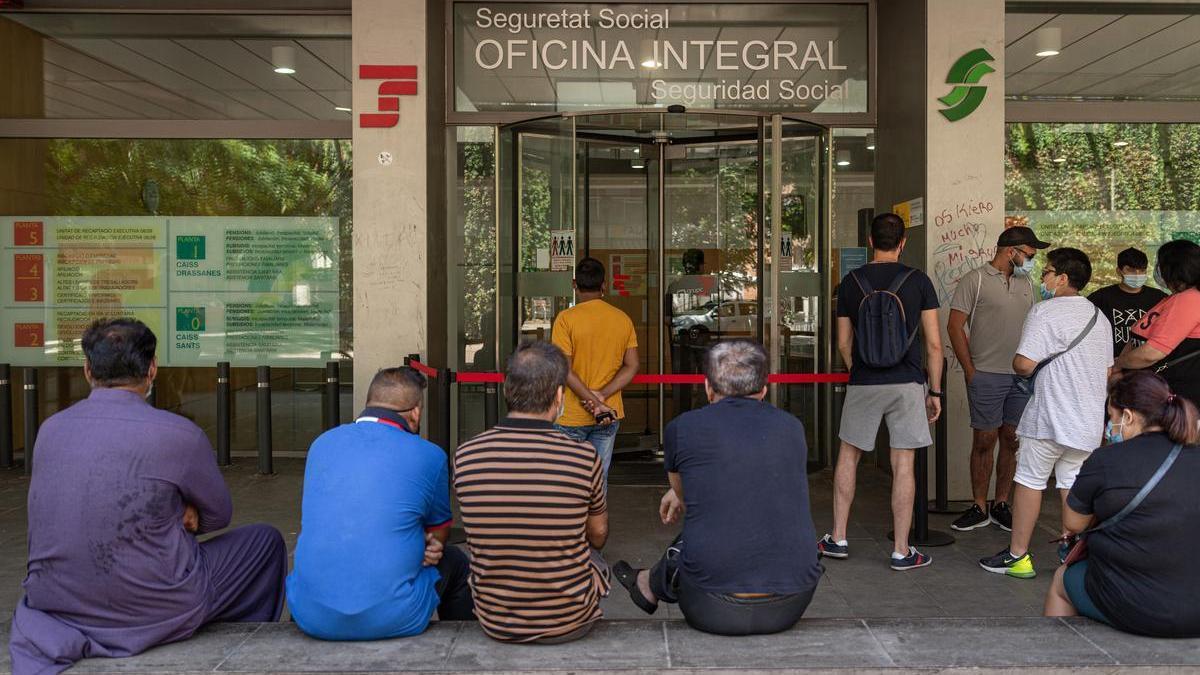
(399, 81)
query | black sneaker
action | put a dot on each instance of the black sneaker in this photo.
(971, 519)
(831, 549)
(1002, 516)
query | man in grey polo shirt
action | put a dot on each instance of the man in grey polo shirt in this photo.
(986, 315)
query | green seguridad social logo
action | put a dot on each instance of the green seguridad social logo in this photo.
(967, 93)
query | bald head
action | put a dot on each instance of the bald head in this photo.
(396, 388)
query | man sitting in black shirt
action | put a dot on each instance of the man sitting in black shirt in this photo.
(734, 465)
(1124, 303)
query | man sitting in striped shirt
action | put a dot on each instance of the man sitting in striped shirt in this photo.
(534, 509)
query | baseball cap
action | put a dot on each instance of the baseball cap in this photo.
(1018, 236)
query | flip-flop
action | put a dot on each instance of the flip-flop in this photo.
(627, 575)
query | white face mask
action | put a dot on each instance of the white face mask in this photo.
(1159, 281)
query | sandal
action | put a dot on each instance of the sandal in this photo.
(627, 575)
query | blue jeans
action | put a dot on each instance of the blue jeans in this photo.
(601, 437)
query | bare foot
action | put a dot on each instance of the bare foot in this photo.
(643, 584)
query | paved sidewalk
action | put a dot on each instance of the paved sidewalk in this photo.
(863, 616)
(1029, 645)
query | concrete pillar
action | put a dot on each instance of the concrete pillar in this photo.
(955, 165)
(390, 254)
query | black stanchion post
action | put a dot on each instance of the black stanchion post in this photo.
(941, 468)
(491, 404)
(6, 418)
(922, 535)
(333, 386)
(31, 416)
(444, 380)
(223, 414)
(263, 412)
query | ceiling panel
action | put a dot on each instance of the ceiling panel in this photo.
(1017, 25)
(1112, 37)
(102, 108)
(1123, 85)
(1075, 27)
(1022, 83)
(182, 107)
(1069, 84)
(311, 72)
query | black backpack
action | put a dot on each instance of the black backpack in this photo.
(881, 335)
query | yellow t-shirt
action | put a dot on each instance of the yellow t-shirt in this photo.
(594, 335)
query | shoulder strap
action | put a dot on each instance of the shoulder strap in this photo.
(978, 290)
(863, 284)
(1175, 362)
(1141, 495)
(1086, 329)
(899, 281)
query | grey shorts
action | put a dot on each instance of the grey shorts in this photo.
(901, 405)
(995, 399)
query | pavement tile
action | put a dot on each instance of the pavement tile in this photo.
(822, 643)
(283, 643)
(204, 651)
(610, 645)
(986, 642)
(1137, 649)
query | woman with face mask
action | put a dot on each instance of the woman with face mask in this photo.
(1167, 339)
(1139, 574)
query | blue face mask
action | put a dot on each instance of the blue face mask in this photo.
(1046, 292)
(1135, 280)
(1024, 269)
(1111, 436)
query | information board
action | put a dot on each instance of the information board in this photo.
(251, 291)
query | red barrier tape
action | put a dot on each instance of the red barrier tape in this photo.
(479, 377)
(423, 369)
(690, 378)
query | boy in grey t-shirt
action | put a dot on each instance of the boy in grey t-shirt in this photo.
(1070, 339)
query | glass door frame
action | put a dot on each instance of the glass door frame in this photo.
(770, 136)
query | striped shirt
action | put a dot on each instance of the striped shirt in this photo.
(525, 492)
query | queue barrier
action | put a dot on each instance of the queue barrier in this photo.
(921, 535)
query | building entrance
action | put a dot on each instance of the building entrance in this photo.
(710, 226)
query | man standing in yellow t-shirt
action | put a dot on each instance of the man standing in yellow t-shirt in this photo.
(601, 346)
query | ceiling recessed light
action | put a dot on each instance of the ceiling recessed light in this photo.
(1048, 41)
(843, 158)
(1120, 144)
(341, 108)
(651, 63)
(283, 59)
(871, 141)
(1059, 160)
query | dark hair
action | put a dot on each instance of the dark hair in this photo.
(1147, 393)
(887, 231)
(1179, 264)
(1133, 258)
(736, 367)
(535, 372)
(1073, 263)
(402, 386)
(589, 275)
(119, 351)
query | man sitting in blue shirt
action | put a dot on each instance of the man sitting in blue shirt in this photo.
(746, 562)
(371, 561)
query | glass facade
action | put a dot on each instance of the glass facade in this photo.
(234, 248)
(1104, 187)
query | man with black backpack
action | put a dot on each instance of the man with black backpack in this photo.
(880, 308)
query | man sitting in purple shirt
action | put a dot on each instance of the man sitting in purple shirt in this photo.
(119, 492)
